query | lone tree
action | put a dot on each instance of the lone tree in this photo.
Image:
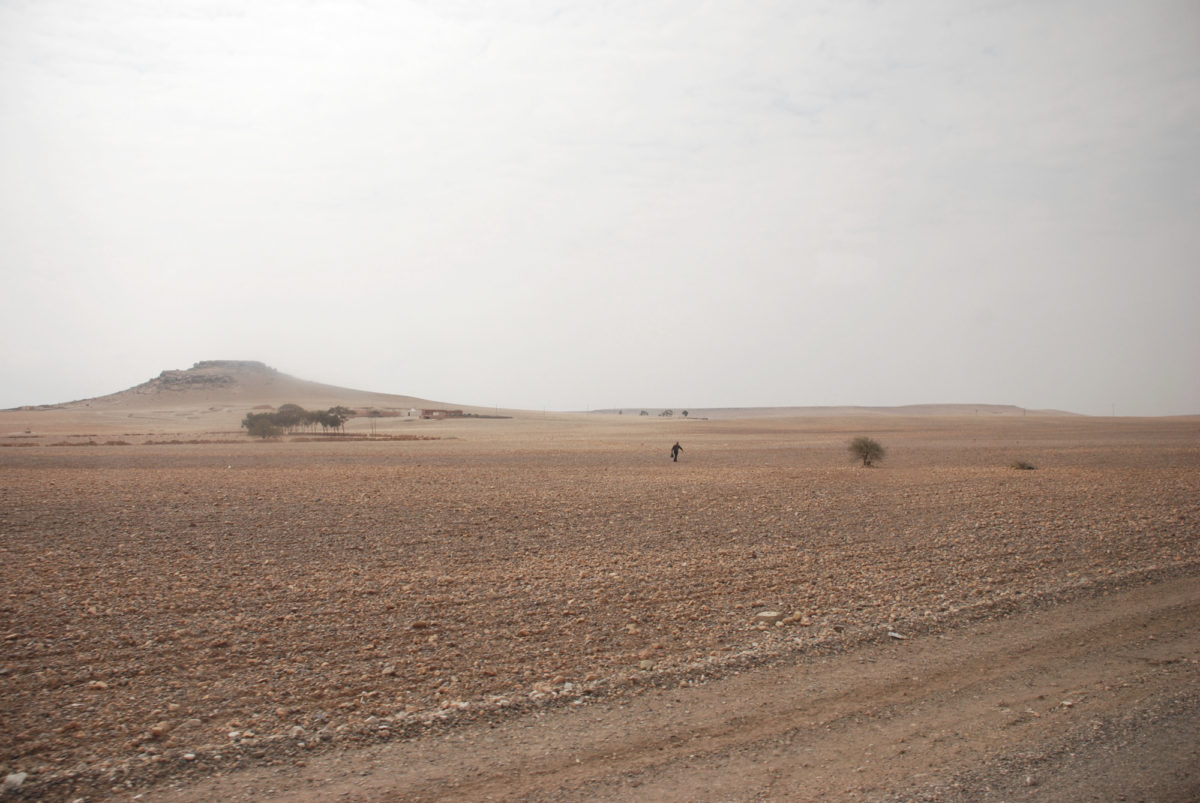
(867, 449)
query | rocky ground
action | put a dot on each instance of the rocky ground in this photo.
(172, 612)
(1092, 696)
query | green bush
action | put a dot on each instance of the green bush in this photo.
(867, 450)
(262, 425)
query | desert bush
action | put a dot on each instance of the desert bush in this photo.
(1021, 465)
(866, 449)
(262, 425)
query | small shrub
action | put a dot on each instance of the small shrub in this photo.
(867, 450)
(1021, 465)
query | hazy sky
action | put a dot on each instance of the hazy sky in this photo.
(570, 205)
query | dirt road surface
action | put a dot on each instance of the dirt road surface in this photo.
(1095, 698)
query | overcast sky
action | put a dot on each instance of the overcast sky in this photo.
(582, 205)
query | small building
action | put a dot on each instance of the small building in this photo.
(437, 414)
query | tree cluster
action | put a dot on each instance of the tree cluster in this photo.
(293, 417)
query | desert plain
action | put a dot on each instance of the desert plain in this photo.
(544, 606)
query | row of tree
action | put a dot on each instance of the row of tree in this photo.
(294, 418)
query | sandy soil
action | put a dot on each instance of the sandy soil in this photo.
(517, 594)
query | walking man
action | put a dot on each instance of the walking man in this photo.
(675, 450)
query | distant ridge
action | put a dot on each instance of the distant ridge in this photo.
(847, 410)
(246, 384)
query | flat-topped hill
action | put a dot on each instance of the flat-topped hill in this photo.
(211, 396)
(244, 383)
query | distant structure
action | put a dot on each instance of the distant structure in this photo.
(440, 414)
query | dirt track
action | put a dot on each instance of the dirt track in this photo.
(183, 611)
(1092, 699)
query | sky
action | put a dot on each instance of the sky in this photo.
(567, 206)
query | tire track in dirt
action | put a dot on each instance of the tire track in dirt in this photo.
(939, 716)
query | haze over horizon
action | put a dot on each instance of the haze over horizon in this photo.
(545, 205)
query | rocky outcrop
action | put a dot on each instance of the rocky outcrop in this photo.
(206, 375)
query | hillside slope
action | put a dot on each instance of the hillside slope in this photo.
(238, 382)
(211, 396)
